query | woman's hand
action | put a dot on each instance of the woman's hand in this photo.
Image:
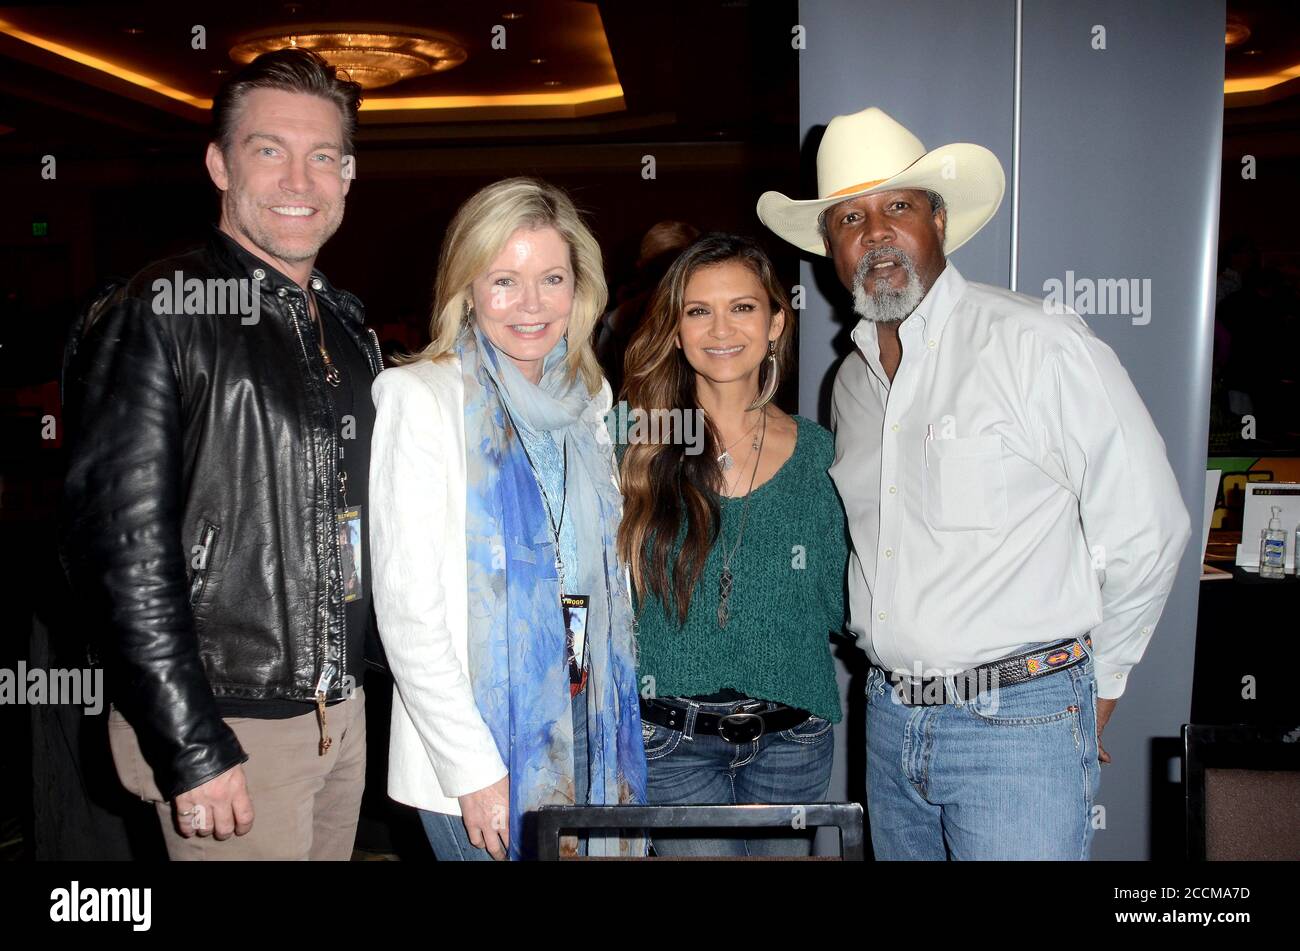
(486, 814)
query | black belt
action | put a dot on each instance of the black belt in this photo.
(746, 724)
(1006, 672)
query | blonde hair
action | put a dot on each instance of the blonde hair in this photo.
(476, 236)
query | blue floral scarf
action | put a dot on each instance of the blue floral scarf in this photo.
(517, 660)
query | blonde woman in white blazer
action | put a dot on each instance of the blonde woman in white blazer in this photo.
(495, 507)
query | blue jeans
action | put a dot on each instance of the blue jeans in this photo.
(1010, 774)
(446, 831)
(791, 766)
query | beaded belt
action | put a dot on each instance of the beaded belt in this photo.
(1007, 672)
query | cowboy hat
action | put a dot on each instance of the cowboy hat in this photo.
(870, 152)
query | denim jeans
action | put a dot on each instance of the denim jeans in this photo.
(446, 831)
(790, 766)
(1009, 774)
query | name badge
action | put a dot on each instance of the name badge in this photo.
(350, 532)
(575, 639)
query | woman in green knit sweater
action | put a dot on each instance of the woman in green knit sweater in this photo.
(737, 550)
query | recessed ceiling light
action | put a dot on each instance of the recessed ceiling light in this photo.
(1250, 52)
(552, 82)
(132, 30)
(537, 60)
(512, 16)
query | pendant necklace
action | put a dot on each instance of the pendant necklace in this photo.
(332, 375)
(725, 581)
(726, 460)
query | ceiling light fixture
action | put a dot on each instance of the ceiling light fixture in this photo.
(572, 102)
(373, 57)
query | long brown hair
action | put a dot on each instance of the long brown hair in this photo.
(668, 493)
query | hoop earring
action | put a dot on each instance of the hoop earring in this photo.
(773, 375)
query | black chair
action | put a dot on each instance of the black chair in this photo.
(1242, 786)
(552, 821)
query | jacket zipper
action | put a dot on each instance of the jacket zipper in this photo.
(323, 654)
(199, 580)
(378, 354)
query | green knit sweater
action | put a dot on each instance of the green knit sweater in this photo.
(787, 597)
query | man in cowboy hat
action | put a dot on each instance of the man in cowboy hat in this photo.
(1015, 523)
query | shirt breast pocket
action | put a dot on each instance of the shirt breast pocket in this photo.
(963, 484)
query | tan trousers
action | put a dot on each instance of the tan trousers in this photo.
(305, 806)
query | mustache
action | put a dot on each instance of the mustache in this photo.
(876, 255)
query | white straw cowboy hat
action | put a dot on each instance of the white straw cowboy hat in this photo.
(871, 152)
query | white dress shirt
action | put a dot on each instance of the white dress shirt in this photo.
(1008, 489)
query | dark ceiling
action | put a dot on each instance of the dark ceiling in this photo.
(1265, 124)
(159, 41)
(690, 70)
(1274, 41)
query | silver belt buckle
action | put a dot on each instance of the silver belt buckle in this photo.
(750, 720)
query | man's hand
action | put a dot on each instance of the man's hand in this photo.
(1104, 709)
(486, 814)
(220, 807)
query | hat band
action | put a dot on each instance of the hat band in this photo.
(861, 186)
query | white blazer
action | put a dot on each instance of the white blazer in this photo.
(439, 747)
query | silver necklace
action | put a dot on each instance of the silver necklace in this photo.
(726, 580)
(726, 461)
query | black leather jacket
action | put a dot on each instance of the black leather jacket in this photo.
(199, 522)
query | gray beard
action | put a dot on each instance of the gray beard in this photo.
(886, 306)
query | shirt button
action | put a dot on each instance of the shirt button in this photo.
(931, 344)
(894, 427)
(889, 553)
(1146, 630)
(881, 615)
(1119, 676)
(259, 274)
(893, 490)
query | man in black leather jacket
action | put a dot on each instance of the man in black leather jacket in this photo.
(220, 416)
